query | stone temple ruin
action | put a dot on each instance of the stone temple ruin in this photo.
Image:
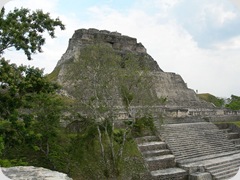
(188, 145)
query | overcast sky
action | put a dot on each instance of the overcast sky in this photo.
(198, 39)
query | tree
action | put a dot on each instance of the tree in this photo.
(30, 108)
(29, 111)
(105, 84)
(218, 102)
(24, 30)
(234, 103)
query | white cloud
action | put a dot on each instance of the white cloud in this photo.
(219, 13)
(236, 2)
(48, 6)
(164, 5)
(229, 44)
(213, 70)
(3, 2)
(54, 48)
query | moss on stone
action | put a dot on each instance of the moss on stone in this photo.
(54, 74)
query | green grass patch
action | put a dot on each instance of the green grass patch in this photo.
(218, 102)
(54, 74)
(237, 123)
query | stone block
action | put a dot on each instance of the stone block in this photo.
(200, 176)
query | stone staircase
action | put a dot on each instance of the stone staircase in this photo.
(203, 148)
(232, 132)
(183, 120)
(193, 140)
(159, 160)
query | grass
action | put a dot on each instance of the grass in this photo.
(237, 123)
(218, 102)
(54, 74)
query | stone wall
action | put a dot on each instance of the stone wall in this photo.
(223, 118)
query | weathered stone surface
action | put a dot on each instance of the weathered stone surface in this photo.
(122, 44)
(173, 87)
(33, 173)
(167, 85)
(200, 176)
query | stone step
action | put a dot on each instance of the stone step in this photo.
(208, 160)
(188, 131)
(169, 173)
(225, 130)
(156, 153)
(237, 146)
(140, 140)
(154, 145)
(196, 155)
(226, 175)
(214, 167)
(199, 136)
(190, 126)
(185, 145)
(235, 141)
(233, 135)
(202, 138)
(192, 141)
(193, 155)
(196, 140)
(180, 150)
(227, 169)
(160, 162)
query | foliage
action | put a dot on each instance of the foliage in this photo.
(106, 83)
(143, 126)
(24, 30)
(237, 123)
(234, 103)
(89, 165)
(218, 102)
(29, 112)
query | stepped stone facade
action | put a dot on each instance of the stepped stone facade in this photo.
(167, 85)
(191, 149)
(186, 146)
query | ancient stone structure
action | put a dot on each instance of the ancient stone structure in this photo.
(188, 145)
(160, 161)
(167, 85)
(30, 172)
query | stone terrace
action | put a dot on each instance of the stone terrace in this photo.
(202, 149)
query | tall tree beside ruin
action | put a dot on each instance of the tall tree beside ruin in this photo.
(105, 85)
(29, 108)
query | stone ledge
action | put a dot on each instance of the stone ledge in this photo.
(31, 172)
(200, 176)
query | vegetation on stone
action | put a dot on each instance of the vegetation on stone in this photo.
(104, 84)
(101, 82)
(218, 102)
(31, 108)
